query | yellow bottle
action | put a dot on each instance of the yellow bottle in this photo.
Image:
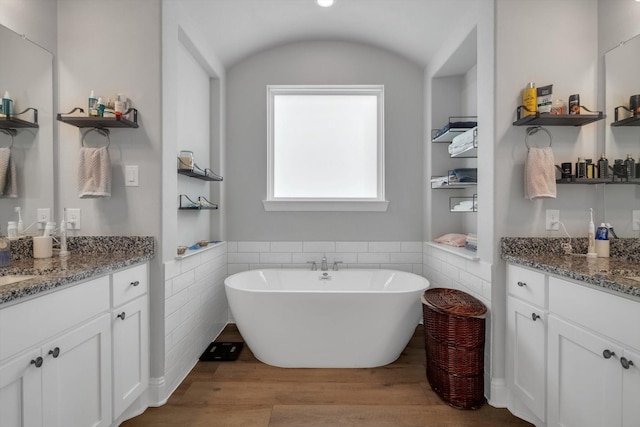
(529, 100)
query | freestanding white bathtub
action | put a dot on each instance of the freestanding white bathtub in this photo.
(335, 319)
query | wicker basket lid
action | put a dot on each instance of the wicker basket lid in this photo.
(453, 301)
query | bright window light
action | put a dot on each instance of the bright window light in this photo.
(325, 143)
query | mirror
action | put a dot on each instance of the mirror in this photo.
(622, 66)
(27, 74)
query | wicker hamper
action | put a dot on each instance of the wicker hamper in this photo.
(454, 325)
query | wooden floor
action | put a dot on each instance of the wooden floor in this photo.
(249, 393)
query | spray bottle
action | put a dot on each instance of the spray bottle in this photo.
(591, 252)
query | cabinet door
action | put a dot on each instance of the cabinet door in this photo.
(130, 353)
(20, 391)
(584, 378)
(76, 382)
(631, 390)
(526, 354)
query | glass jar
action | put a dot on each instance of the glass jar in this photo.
(185, 160)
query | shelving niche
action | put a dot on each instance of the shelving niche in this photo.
(453, 110)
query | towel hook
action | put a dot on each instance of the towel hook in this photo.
(101, 131)
(532, 131)
(11, 133)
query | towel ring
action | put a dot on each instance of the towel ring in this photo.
(103, 132)
(532, 131)
(11, 133)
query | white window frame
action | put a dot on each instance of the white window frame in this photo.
(373, 204)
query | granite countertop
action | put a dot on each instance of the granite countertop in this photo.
(88, 257)
(620, 273)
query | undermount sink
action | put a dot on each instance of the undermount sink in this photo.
(13, 278)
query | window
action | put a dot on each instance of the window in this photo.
(325, 148)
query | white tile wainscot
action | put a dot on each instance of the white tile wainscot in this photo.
(196, 308)
(250, 255)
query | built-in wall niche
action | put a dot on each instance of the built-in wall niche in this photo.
(622, 133)
(27, 74)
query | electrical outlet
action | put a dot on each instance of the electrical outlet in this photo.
(635, 220)
(73, 219)
(43, 216)
(553, 219)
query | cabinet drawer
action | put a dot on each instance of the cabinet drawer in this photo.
(527, 285)
(27, 324)
(612, 316)
(129, 284)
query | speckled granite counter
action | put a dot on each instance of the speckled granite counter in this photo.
(548, 256)
(90, 256)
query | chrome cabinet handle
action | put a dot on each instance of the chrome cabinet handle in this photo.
(37, 361)
(534, 316)
(136, 283)
(626, 363)
(121, 315)
(522, 284)
(55, 352)
(608, 353)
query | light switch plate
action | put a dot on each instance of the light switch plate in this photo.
(73, 219)
(43, 216)
(131, 176)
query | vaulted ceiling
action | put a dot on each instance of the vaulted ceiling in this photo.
(414, 29)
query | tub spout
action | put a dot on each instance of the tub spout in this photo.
(324, 267)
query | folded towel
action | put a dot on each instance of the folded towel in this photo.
(8, 174)
(539, 174)
(94, 173)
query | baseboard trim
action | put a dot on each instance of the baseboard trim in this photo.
(498, 397)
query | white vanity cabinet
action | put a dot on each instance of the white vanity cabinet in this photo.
(578, 363)
(526, 337)
(67, 359)
(59, 370)
(130, 317)
(594, 369)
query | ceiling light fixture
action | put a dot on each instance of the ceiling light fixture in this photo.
(329, 3)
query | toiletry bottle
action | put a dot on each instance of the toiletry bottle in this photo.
(630, 167)
(93, 105)
(618, 169)
(574, 104)
(7, 104)
(591, 251)
(590, 168)
(100, 107)
(602, 241)
(5, 251)
(603, 167)
(581, 168)
(557, 106)
(12, 230)
(529, 100)
(120, 106)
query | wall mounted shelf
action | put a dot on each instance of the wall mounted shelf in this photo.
(13, 122)
(593, 181)
(100, 122)
(631, 121)
(457, 125)
(548, 119)
(187, 204)
(205, 175)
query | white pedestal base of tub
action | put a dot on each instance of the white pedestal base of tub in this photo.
(335, 319)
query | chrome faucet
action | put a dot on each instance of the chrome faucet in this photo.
(323, 266)
(314, 267)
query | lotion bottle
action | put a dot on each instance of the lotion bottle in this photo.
(92, 105)
(529, 100)
(591, 251)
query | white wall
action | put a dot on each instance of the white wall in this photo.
(323, 63)
(34, 18)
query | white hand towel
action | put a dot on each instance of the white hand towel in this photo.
(94, 173)
(8, 174)
(540, 174)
